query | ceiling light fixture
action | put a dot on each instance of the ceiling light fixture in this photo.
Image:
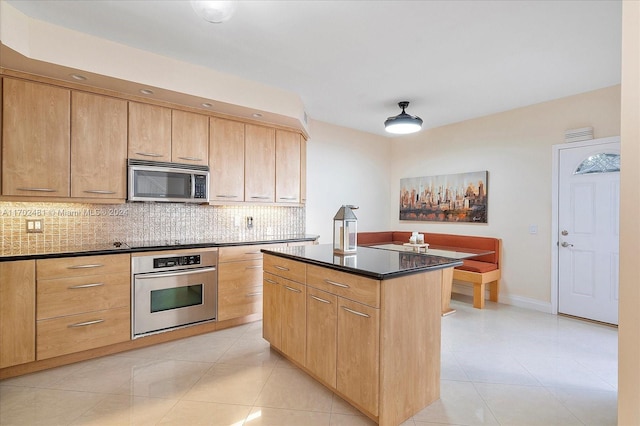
(256, 115)
(214, 11)
(403, 123)
(146, 91)
(78, 77)
(206, 104)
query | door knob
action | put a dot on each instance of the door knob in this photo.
(566, 244)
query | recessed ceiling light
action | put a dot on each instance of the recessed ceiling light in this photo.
(256, 115)
(78, 77)
(206, 104)
(146, 91)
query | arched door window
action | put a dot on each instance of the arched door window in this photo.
(599, 163)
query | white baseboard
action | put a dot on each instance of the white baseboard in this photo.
(519, 301)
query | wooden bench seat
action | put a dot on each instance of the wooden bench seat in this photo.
(481, 271)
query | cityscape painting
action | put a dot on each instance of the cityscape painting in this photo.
(459, 197)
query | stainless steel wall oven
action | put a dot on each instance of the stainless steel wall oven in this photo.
(172, 289)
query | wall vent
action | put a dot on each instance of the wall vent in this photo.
(577, 135)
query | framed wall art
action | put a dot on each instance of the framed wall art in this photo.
(460, 197)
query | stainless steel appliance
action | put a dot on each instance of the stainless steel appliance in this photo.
(169, 182)
(171, 290)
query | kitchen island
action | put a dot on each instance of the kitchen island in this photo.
(366, 325)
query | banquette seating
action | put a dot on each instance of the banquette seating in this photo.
(480, 271)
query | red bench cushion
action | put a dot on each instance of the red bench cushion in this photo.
(475, 266)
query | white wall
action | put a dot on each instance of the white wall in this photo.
(346, 166)
(515, 147)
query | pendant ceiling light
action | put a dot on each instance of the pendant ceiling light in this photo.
(214, 11)
(403, 123)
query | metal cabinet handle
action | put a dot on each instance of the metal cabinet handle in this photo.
(190, 158)
(288, 198)
(292, 289)
(253, 252)
(270, 281)
(263, 197)
(254, 294)
(149, 154)
(99, 191)
(88, 266)
(37, 189)
(319, 299)
(282, 268)
(253, 267)
(336, 284)
(356, 312)
(226, 196)
(84, 324)
(73, 287)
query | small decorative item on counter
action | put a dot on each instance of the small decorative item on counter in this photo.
(420, 239)
(345, 230)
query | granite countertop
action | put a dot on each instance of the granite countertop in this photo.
(368, 262)
(115, 248)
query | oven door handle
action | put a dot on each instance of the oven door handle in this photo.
(174, 274)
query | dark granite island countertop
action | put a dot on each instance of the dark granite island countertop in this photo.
(368, 262)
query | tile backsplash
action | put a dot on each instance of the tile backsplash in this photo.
(71, 225)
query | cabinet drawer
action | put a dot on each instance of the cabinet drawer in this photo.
(239, 303)
(239, 275)
(75, 333)
(236, 253)
(76, 295)
(286, 268)
(354, 287)
(80, 266)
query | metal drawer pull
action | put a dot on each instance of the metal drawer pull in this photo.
(336, 284)
(99, 191)
(254, 294)
(292, 289)
(270, 281)
(149, 154)
(282, 268)
(262, 197)
(190, 158)
(84, 324)
(288, 198)
(226, 196)
(91, 265)
(253, 267)
(85, 286)
(356, 312)
(254, 252)
(37, 189)
(319, 300)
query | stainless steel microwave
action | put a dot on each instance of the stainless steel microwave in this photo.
(169, 182)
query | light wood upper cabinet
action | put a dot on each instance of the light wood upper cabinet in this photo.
(149, 132)
(35, 139)
(98, 146)
(226, 160)
(303, 170)
(189, 138)
(17, 312)
(260, 164)
(287, 167)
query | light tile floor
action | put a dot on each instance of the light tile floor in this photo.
(500, 366)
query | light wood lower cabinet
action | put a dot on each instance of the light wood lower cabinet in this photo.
(294, 319)
(82, 303)
(271, 318)
(322, 333)
(17, 312)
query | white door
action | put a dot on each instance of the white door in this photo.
(588, 228)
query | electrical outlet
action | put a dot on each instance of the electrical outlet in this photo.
(34, 226)
(533, 229)
(249, 222)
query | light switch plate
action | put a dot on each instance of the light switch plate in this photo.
(34, 226)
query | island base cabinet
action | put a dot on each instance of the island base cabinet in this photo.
(358, 353)
(322, 323)
(294, 320)
(271, 321)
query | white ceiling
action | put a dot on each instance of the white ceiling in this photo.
(352, 61)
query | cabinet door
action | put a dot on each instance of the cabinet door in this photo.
(98, 146)
(17, 312)
(226, 160)
(322, 322)
(358, 353)
(303, 170)
(287, 167)
(189, 138)
(149, 132)
(35, 139)
(294, 320)
(271, 321)
(260, 164)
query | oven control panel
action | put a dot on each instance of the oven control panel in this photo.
(168, 262)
